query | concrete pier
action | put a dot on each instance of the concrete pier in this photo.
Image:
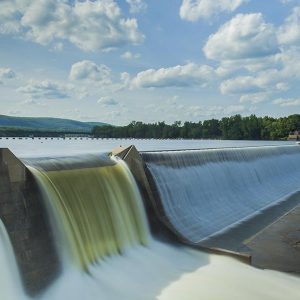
(24, 216)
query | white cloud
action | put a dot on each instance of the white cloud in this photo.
(33, 102)
(246, 36)
(282, 86)
(89, 71)
(207, 111)
(89, 25)
(234, 109)
(13, 112)
(192, 10)
(107, 101)
(9, 15)
(287, 102)
(44, 90)
(137, 6)
(240, 85)
(125, 78)
(129, 55)
(282, 77)
(286, 1)
(289, 32)
(7, 73)
(290, 60)
(29, 102)
(269, 80)
(254, 98)
(57, 47)
(179, 76)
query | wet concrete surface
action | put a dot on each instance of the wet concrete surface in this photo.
(278, 245)
(272, 238)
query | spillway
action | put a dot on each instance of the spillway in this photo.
(95, 203)
(204, 193)
(101, 235)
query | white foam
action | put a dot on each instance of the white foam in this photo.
(166, 272)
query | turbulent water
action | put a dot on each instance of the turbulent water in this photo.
(96, 203)
(205, 192)
(107, 252)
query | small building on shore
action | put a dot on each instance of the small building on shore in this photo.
(294, 136)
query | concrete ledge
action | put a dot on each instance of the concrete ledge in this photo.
(278, 245)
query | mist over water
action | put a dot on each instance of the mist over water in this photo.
(10, 282)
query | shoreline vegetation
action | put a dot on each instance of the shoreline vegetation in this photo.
(228, 128)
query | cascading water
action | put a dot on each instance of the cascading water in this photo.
(97, 204)
(206, 192)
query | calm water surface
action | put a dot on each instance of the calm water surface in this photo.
(44, 147)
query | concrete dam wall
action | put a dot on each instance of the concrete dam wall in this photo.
(83, 210)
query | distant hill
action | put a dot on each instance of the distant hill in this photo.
(46, 124)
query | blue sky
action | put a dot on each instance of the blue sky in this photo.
(118, 61)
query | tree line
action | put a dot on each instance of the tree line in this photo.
(233, 128)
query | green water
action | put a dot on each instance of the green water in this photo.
(99, 210)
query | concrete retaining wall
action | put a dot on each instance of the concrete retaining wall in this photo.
(25, 219)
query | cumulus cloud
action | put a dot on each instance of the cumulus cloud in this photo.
(44, 90)
(265, 81)
(107, 101)
(89, 25)
(287, 102)
(283, 76)
(290, 60)
(286, 1)
(13, 112)
(136, 6)
(89, 71)
(246, 36)
(180, 76)
(199, 111)
(192, 10)
(289, 32)
(254, 98)
(129, 55)
(234, 109)
(240, 85)
(7, 73)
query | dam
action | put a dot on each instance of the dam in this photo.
(150, 225)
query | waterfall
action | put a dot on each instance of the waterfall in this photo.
(95, 204)
(206, 192)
